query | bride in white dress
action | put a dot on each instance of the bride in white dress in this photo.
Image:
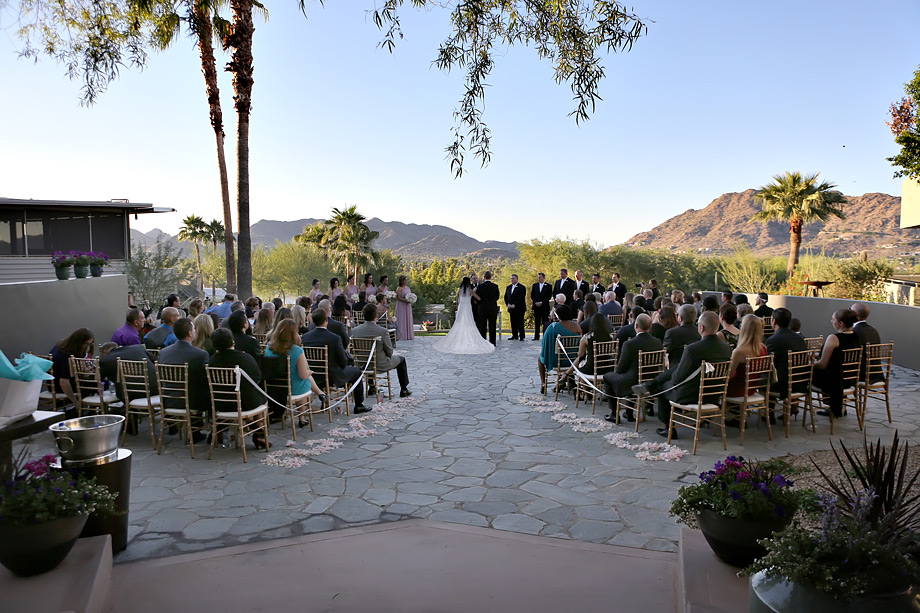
(463, 336)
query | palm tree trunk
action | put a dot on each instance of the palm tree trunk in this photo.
(795, 243)
(202, 25)
(241, 67)
(198, 255)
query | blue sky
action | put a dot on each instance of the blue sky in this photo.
(718, 97)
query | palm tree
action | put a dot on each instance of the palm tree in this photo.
(216, 234)
(194, 230)
(345, 239)
(798, 199)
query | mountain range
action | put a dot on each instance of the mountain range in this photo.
(871, 225)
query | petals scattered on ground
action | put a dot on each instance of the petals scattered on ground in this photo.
(582, 424)
(540, 404)
(660, 452)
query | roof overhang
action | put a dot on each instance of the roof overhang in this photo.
(123, 205)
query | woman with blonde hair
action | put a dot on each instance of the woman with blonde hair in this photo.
(750, 344)
(204, 326)
(264, 321)
(301, 318)
(280, 315)
(195, 308)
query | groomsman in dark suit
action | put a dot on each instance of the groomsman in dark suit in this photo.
(474, 301)
(618, 287)
(596, 286)
(488, 306)
(516, 301)
(580, 283)
(565, 286)
(541, 297)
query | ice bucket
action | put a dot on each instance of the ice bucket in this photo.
(87, 438)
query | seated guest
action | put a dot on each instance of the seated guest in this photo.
(795, 324)
(358, 307)
(726, 296)
(195, 308)
(610, 306)
(628, 330)
(264, 321)
(629, 301)
(659, 302)
(340, 307)
(679, 337)
(129, 334)
(640, 302)
(620, 382)
(183, 352)
(709, 348)
(750, 344)
(252, 303)
(204, 326)
(286, 342)
(711, 304)
(828, 374)
(744, 309)
(585, 317)
(215, 320)
(677, 297)
(336, 327)
(238, 325)
(578, 300)
(781, 343)
(341, 374)
(383, 309)
(762, 309)
(650, 297)
(698, 302)
(164, 335)
(172, 301)
(223, 309)
(280, 315)
(110, 353)
(226, 356)
(597, 332)
(867, 335)
(384, 352)
(560, 299)
(278, 302)
(565, 326)
(79, 344)
(664, 320)
(740, 299)
(728, 315)
(301, 317)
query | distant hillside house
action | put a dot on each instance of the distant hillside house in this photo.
(32, 230)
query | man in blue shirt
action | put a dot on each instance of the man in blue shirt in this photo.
(163, 336)
(223, 309)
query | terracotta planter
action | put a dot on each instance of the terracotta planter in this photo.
(33, 549)
(62, 272)
(734, 541)
(81, 272)
(779, 595)
(95, 270)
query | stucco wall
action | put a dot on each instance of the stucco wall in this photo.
(39, 313)
(895, 322)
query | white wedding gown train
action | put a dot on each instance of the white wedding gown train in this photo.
(463, 336)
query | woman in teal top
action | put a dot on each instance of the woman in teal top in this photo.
(566, 326)
(286, 342)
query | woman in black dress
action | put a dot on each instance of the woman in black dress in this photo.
(828, 376)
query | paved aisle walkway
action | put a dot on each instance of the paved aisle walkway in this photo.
(464, 453)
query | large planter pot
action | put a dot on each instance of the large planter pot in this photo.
(95, 270)
(779, 595)
(33, 549)
(62, 272)
(734, 541)
(81, 272)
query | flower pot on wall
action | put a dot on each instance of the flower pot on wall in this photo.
(81, 272)
(32, 549)
(734, 541)
(62, 272)
(95, 270)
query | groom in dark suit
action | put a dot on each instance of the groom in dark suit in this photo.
(541, 296)
(564, 285)
(488, 306)
(516, 301)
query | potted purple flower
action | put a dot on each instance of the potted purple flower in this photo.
(62, 263)
(97, 259)
(80, 263)
(738, 502)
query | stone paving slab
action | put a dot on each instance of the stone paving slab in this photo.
(466, 453)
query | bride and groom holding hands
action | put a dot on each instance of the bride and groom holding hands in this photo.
(477, 313)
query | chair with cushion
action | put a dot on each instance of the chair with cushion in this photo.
(90, 393)
(227, 409)
(318, 362)
(566, 353)
(175, 411)
(849, 374)
(276, 378)
(877, 373)
(362, 350)
(605, 360)
(135, 387)
(756, 398)
(709, 407)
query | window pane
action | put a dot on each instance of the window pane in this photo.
(11, 240)
(50, 231)
(109, 234)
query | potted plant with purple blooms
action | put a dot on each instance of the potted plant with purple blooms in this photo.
(43, 511)
(62, 263)
(739, 502)
(97, 259)
(80, 263)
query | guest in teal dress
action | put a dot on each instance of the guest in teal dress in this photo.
(565, 326)
(286, 342)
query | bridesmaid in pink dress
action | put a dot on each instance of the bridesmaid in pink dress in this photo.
(404, 324)
(334, 290)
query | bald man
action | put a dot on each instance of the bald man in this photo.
(164, 335)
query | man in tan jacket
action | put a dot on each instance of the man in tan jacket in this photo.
(384, 352)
